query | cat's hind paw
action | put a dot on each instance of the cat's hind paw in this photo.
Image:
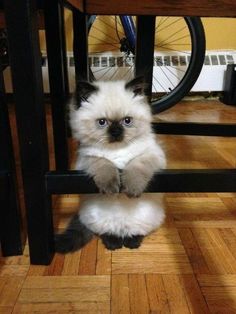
(133, 242)
(111, 242)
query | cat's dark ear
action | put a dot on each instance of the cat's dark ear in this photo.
(84, 90)
(137, 85)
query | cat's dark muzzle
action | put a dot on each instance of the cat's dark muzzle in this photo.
(115, 132)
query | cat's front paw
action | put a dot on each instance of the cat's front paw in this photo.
(108, 181)
(133, 185)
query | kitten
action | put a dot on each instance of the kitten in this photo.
(112, 122)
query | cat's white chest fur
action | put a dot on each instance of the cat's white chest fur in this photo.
(121, 156)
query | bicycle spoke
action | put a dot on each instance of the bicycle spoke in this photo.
(118, 21)
(179, 44)
(168, 67)
(167, 26)
(109, 25)
(114, 74)
(100, 70)
(102, 44)
(173, 41)
(129, 71)
(167, 76)
(109, 69)
(172, 73)
(178, 31)
(159, 84)
(103, 51)
(98, 29)
(153, 85)
(102, 40)
(163, 21)
(185, 52)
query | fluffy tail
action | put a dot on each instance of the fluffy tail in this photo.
(74, 237)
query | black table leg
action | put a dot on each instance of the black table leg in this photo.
(10, 222)
(25, 61)
(58, 78)
(80, 45)
(144, 50)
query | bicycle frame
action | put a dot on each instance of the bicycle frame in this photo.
(129, 29)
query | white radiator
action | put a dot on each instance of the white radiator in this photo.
(113, 66)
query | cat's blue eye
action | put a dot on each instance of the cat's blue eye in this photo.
(127, 121)
(102, 122)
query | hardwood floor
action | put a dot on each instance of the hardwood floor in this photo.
(187, 266)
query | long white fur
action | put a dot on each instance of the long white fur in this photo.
(117, 214)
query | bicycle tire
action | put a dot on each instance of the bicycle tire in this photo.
(195, 64)
(194, 69)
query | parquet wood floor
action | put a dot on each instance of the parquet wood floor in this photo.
(187, 266)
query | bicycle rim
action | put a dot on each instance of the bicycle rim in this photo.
(178, 56)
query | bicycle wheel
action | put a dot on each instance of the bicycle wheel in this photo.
(178, 55)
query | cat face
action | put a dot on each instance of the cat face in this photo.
(110, 113)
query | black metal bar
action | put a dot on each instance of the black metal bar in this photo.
(10, 220)
(80, 45)
(58, 78)
(203, 180)
(144, 50)
(25, 61)
(191, 128)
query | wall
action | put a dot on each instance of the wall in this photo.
(220, 33)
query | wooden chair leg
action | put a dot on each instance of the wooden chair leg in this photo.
(10, 222)
(58, 78)
(25, 62)
(80, 45)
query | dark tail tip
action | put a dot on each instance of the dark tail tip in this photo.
(73, 238)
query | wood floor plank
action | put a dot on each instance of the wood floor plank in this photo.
(61, 282)
(88, 257)
(120, 301)
(56, 266)
(103, 262)
(71, 264)
(15, 260)
(139, 303)
(157, 295)
(13, 270)
(164, 235)
(205, 280)
(195, 299)
(219, 223)
(36, 270)
(152, 258)
(10, 291)
(220, 299)
(194, 252)
(213, 253)
(185, 205)
(6, 309)
(65, 289)
(47, 295)
(62, 308)
(229, 237)
(175, 294)
(227, 256)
